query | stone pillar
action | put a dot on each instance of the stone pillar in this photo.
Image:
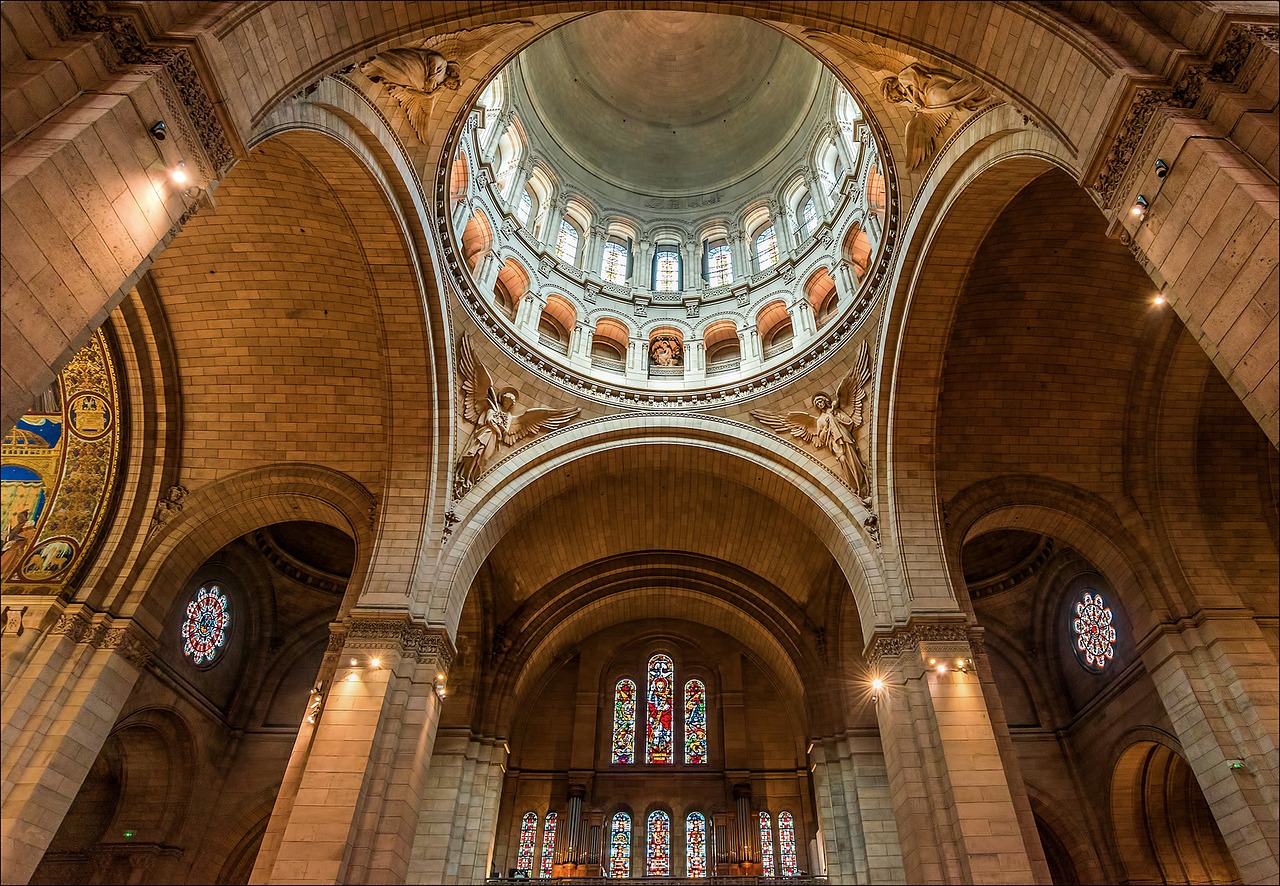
(515, 188)
(821, 199)
(1217, 680)
(348, 811)
(459, 818)
(58, 710)
(955, 813)
(638, 359)
(741, 255)
(487, 274)
(846, 282)
(749, 344)
(695, 360)
(528, 314)
(784, 231)
(580, 344)
(643, 270)
(594, 253)
(803, 323)
(552, 229)
(855, 811)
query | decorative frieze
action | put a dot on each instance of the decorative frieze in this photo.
(428, 644)
(101, 631)
(942, 639)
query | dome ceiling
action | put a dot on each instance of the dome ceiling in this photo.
(655, 102)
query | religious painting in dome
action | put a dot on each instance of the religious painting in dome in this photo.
(661, 738)
(57, 468)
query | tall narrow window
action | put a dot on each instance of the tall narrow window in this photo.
(766, 844)
(808, 218)
(624, 722)
(695, 845)
(767, 248)
(660, 745)
(524, 208)
(657, 855)
(666, 275)
(549, 844)
(613, 268)
(620, 847)
(567, 243)
(695, 722)
(528, 834)
(720, 265)
(787, 856)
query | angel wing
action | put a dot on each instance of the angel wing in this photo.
(537, 419)
(461, 45)
(853, 389)
(922, 133)
(878, 61)
(417, 106)
(797, 424)
(476, 385)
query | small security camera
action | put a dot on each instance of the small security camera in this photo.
(1162, 169)
(157, 130)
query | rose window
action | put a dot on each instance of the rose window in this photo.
(204, 633)
(1095, 633)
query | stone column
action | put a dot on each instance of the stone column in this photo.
(643, 270)
(348, 811)
(855, 810)
(956, 816)
(749, 344)
(555, 215)
(58, 710)
(784, 231)
(803, 323)
(741, 255)
(846, 282)
(580, 344)
(593, 252)
(638, 359)
(528, 314)
(821, 199)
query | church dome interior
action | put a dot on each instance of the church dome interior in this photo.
(474, 443)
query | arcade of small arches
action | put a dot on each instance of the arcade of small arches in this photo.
(255, 631)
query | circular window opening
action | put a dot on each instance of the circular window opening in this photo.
(1094, 632)
(205, 629)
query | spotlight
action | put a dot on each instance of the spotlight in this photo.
(157, 130)
(876, 686)
(179, 173)
(1139, 206)
(440, 687)
(1162, 169)
(942, 667)
(375, 663)
(354, 662)
(1159, 299)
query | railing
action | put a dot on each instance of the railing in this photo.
(554, 344)
(779, 348)
(609, 364)
(718, 366)
(666, 372)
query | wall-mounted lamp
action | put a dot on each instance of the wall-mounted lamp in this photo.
(179, 173)
(1235, 764)
(1139, 206)
(1162, 169)
(1159, 299)
(157, 130)
(441, 691)
(877, 686)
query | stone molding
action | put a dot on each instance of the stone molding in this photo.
(937, 637)
(100, 631)
(394, 632)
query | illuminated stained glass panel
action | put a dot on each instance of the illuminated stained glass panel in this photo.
(661, 741)
(766, 844)
(695, 722)
(657, 854)
(524, 209)
(567, 243)
(808, 217)
(204, 631)
(720, 265)
(613, 267)
(624, 722)
(548, 844)
(528, 834)
(789, 859)
(620, 847)
(767, 248)
(695, 845)
(667, 278)
(1095, 633)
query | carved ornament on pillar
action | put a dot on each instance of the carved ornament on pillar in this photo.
(428, 644)
(167, 507)
(101, 631)
(11, 620)
(941, 639)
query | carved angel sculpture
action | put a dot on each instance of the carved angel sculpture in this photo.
(932, 94)
(832, 428)
(415, 73)
(492, 412)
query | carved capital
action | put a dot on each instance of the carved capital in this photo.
(400, 634)
(921, 640)
(101, 631)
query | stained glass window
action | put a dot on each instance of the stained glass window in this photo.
(624, 722)
(528, 834)
(549, 844)
(767, 248)
(790, 860)
(567, 243)
(695, 844)
(614, 267)
(657, 856)
(766, 844)
(808, 217)
(620, 847)
(660, 745)
(204, 632)
(695, 722)
(1095, 633)
(524, 209)
(667, 274)
(720, 265)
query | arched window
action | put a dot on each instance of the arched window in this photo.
(205, 629)
(657, 854)
(624, 722)
(766, 844)
(1094, 632)
(695, 845)
(613, 267)
(766, 248)
(528, 834)
(787, 855)
(660, 745)
(719, 264)
(524, 209)
(808, 217)
(667, 276)
(549, 845)
(695, 722)
(620, 847)
(567, 242)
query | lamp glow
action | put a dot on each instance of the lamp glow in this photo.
(179, 173)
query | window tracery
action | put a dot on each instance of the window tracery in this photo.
(548, 845)
(766, 844)
(695, 843)
(624, 722)
(524, 209)
(666, 274)
(567, 242)
(613, 268)
(789, 858)
(619, 847)
(659, 747)
(528, 834)
(695, 722)
(767, 248)
(720, 265)
(1095, 633)
(205, 629)
(658, 845)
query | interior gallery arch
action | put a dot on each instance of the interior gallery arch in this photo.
(463, 443)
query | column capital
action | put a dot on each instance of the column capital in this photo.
(98, 630)
(941, 638)
(394, 632)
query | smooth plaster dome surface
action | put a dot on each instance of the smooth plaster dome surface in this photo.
(670, 103)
